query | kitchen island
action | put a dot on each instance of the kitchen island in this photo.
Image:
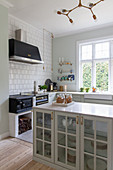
(77, 137)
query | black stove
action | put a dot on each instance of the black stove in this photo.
(20, 103)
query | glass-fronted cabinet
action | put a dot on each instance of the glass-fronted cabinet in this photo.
(95, 143)
(72, 141)
(67, 140)
(43, 134)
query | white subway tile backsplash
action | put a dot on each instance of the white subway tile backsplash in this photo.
(22, 76)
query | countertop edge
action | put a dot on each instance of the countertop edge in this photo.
(87, 109)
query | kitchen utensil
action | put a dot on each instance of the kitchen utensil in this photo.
(101, 164)
(71, 156)
(51, 87)
(61, 88)
(102, 146)
(55, 86)
(60, 71)
(71, 77)
(68, 122)
(47, 82)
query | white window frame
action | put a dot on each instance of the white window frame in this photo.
(78, 54)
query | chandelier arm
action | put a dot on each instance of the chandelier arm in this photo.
(92, 11)
(86, 7)
(96, 3)
(68, 16)
(63, 14)
(73, 9)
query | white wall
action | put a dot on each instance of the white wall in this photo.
(4, 76)
(22, 76)
(67, 47)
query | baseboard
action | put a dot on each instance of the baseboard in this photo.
(4, 135)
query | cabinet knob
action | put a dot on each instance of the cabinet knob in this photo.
(51, 115)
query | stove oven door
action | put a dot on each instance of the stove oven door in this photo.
(26, 103)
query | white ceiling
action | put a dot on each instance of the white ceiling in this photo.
(43, 13)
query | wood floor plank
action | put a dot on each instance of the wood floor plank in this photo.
(5, 145)
(13, 156)
(16, 154)
(28, 166)
(22, 142)
(37, 166)
(8, 152)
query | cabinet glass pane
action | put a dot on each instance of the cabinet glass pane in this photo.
(61, 154)
(71, 141)
(39, 133)
(47, 120)
(89, 146)
(47, 150)
(71, 158)
(47, 135)
(61, 123)
(39, 146)
(39, 119)
(101, 164)
(88, 162)
(101, 130)
(89, 128)
(101, 149)
(71, 124)
(61, 139)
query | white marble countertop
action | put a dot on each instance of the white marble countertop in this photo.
(99, 110)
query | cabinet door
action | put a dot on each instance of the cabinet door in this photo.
(95, 143)
(43, 134)
(67, 140)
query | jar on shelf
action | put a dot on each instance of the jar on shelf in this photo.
(60, 98)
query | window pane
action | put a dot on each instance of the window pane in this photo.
(102, 76)
(102, 50)
(86, 52)
(86, 74)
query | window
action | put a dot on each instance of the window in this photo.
(95, 65)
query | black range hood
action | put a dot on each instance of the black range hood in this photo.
(23, 52)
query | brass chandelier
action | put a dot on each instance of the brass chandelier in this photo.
(67, 12)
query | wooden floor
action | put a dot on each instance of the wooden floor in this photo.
(16, 154)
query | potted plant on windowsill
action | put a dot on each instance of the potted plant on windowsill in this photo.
(87, 89)
(81, 89)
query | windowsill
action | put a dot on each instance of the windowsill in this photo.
(95, 93)
(103, 93)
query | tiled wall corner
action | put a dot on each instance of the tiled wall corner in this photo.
(21, 75)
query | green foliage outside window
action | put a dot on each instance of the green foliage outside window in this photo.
(87, 75)
(101, 76)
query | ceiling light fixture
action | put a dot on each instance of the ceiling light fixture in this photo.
(67, 12)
